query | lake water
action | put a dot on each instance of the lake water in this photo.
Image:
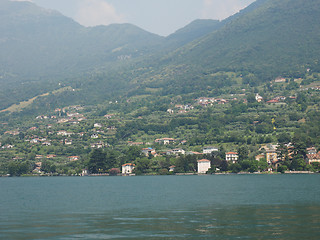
(161, 207)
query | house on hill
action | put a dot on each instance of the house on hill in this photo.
(172, 168)
(203, 165)
(165, 141)
(94, 136)
(97, 125)
(271, 156)
(232, 157)
(258, 98)
(176, 151)
(312, 150)
(73, 158)
(149, 151)
(127, 168)
(259, 157)
(210, 149)
(273, 101)
(280, 80)
(312, 158)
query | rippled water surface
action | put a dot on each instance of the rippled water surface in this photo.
(161, 207)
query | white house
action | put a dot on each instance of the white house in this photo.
(85, 172)
(127, 168)
(97, 125)
(209, 150)
(165, 141)
(94, 136)
(232, 156)
(176, 151)
(171, 168)
(74, 158)
(203, 165)
(311, 150)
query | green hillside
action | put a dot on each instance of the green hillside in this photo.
(79, 93)
(41, 43)
(40, 48)
(43, 51)
(193, 31)
(275, 38)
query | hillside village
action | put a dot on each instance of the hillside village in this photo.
(63, 141)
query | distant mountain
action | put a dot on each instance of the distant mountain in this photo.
(269, 38)
(39, 45)
(37, 42)
(41, 48)
(193, 31)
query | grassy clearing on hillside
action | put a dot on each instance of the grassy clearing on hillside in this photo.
(19, 107)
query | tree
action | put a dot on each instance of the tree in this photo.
(243, 152)
(18, 168)
(251, 98)
(186, 163)
(298, 164)
(282, 168)
(284, 137)
(254, 166)
(133, 153)
(165, 163)
(262, 164)
(97, 161)
(235, 167)
(114, 171)
(301, 142)
(142, 166)
(163, 171)
(110, 159)
(48, 167)
(224, 166)
(282, 151)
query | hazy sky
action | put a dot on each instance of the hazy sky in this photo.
(158, 16)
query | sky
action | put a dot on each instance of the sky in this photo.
(162, 17)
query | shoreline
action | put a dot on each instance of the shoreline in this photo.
(177, 174)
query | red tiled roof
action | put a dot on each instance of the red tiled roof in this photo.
(313, 156)
(204, 160)
(128, 164)
(273, 101)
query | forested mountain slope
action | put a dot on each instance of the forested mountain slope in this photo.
(41, 49)
(274, 38)
(193, 31)
(39, 43)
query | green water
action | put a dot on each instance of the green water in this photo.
(161, 207)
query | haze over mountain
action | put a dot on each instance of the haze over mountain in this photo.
(276, 37)
(38, 42)
(41, 48)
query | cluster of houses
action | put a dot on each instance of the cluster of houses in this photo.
(270, 154)
(205, 101)
(43, 141)
(13, 133)
(278, 99)
(180, 108)
(176, 151)
(37, 169)
(203, 165)
(313, 155)
(274, 158)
